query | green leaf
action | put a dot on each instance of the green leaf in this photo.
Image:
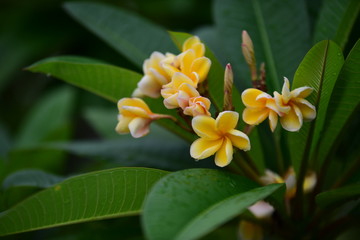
(338, 196)
(191, 203)
(108, 81)
(136, 38)
(319, 70)
(31, 178)
(92, 196)
(281, 46)
(51, 113)
(336, 20)
(344, 104)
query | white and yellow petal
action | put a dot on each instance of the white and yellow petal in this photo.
(293, 120)
(139, 127)
(123, 124)
(308, 110)
(226, 121)
(239, 139)
(205, 127)
(224, 155)
(203, 148)
(249, 98)
(255, 116)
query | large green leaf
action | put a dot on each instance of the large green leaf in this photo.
(281, 46)
(336, 20)
(319, 70)
(131, 35)
(93, 196)
(337, 196)
(191, 203)
(31, 178)
(344, 103)
(108, 81)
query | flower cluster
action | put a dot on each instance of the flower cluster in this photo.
(177, 79)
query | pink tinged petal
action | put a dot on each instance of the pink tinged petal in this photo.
(261, 209)
(249, 98)
(280, 105)
(198, 106)
(203, 148)
(205, 127)
(201, 66)
(186, 91)
(239, 139)
(123, 125)
(134, 102)
(149, 86)
(224, 155)
(171, 102)
(139, 127)
(301, 92)
(226, 121)
(255, 116)
(286, 91)
(308, 110)
(273, 119)
(293, 120)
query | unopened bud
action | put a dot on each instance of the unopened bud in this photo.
(249, 55)
(228, 84)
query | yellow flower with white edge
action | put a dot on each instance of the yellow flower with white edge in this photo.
(154, 75)
(197, 106)
(135, 117)
(179, 83)
(191, 61)
(218, 137)
(293, 107)
(259, 106)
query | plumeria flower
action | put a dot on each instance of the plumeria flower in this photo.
(179, 85)
(259, 106)
(154, 75)
(191, 61)
(293, 107)
(197, 106)
(135, 117)
(218, 137)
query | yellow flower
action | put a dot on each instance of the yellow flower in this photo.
(218, 137)
(154, 75)
(135, 117)
(179, 85)
(191, 61)
(259, 106)
(197, 106)
(293, 107)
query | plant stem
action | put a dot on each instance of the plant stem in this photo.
(248, 171)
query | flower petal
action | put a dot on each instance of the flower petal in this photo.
(293, 120)
(255, 116)
(123, 125)
(273, 119)
(205, 127)
(301, 92)
(203, 148)
(286, 91)
(224, 155)
(139, 127)
(130, 111)
(226, 121)
(190, 42)
(249, 98)
(186, 61)
(201, 66)
(282, 107)
(239, 139)
(149, 86)
(308, 110)
(134, 102)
